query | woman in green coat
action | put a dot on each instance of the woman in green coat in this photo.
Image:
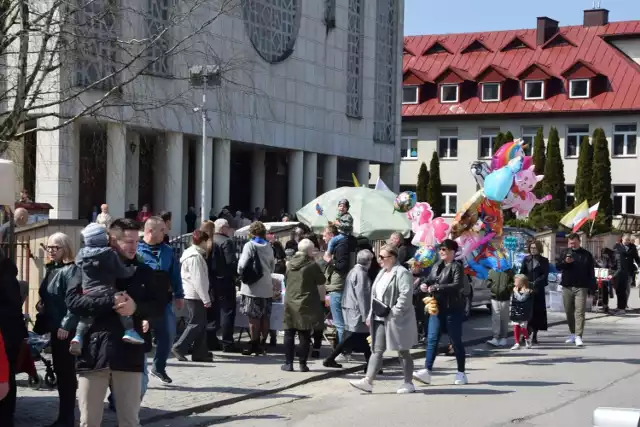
(302, 313)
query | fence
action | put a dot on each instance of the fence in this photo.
(18, 249)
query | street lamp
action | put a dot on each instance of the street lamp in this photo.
(202, 76)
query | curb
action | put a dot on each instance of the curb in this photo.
(199, 409)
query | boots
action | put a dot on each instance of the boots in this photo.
(253, 348)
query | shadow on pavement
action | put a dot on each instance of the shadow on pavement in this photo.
(575, 359)
(463, 391)
(213, 420)
(524, 383)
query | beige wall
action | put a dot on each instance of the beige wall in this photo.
(456, 171)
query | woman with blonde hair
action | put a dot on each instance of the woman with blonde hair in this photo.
(53, 317)
(213, 311)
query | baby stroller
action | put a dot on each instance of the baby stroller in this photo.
(31, 352)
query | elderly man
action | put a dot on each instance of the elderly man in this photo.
(20, 219)
(397, 240)
(225, 270)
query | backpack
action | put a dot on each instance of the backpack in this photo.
(252, 271)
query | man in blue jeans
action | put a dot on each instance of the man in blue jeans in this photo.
(336, 272)
(159, 256)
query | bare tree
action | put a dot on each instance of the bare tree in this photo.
(68, 59)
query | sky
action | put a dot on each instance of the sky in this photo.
(465, 16)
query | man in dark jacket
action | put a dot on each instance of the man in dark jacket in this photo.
(623, 269)
(105, 357)
(632, 259)
(224, 270)
(13, 331)
(578, 277)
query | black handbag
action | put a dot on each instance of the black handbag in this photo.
(379, 308)
(252, 271)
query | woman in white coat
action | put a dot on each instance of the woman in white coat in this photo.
(392, 320)
(195, 281)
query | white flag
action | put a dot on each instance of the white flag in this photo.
(380, 185)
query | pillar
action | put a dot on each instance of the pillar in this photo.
(310, 177)
(330, 173)
(186, 152)
(221, 173)
(258, 167)
(296, 170)
(159, 161)
(57, 167)
(362, 172)
(390, 174)
(203, 209)
(174, 186)
(133, 170)
(116, 169)
(15, 152)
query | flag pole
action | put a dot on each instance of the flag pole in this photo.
(593, 221)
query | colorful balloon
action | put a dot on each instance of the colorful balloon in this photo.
(425, 257)
(405, 201)
(498, 183)
(420, 214)
(521, 199)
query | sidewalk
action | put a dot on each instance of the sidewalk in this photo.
(199, 387)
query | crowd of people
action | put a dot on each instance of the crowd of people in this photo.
(106, 305)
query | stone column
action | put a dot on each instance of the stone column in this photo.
(159, 161)
(258, 170)
(362, 172)
(296, 170)
(208, 178)
(330, 173)
(116, 169)
(133, 170)
(221, 173)
(186, 152)
(174, 185)
(310, 177)
(390, 174)
(57, 168)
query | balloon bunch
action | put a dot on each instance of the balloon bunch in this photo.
(428, 232)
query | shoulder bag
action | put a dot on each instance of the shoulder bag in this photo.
(252, 271)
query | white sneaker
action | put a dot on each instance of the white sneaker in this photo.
(579, 342)
(494, 342)
(406, 388)
(461, 379)
(502, 342)
(342, 358)
(516, 346)
(528, 343)
(571, 339)
(362, 384)
(423, 375)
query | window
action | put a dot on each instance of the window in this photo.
(449, 94)
(534, 90)
(624, 199)
(487, 137)
(528, 137)
(575, 134)
(571, 195)
(448, 144)
(624, 140)
(409, 148)
(410, 94)
(355, 49)
(386, 64)
(157, 22)
(579, 88)
(490, 92)
(449, 200)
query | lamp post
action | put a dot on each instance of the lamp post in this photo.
(203, 76)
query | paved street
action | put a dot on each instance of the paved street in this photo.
(242, 387)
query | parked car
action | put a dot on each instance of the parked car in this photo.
(480, 295)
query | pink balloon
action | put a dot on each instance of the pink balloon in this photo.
(440, 229)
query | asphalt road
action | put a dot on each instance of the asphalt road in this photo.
(551, 385)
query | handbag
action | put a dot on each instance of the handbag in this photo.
(379, 308)
(252, 271)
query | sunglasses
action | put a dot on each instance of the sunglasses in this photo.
(53, 248)
(384, 257)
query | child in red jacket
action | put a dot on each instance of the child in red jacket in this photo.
(4, 370)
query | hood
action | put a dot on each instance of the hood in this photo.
(298, 261)
(258, 244)
(91, 252)
(192, 251)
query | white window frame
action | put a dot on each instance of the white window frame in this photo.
(571, 82)
(484, 99)
(529, 98)
(448, 135)
(570, 193)
(626, 134)
(581, 136)
(531, 135)
(491, 136)
(447, 201)
(624, 198)
(405, 140)
(457, 86)
(417, 89)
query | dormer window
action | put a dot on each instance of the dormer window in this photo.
(449, 93)
(534, 90)
(490, 92)
(410, 94)
(579, 88)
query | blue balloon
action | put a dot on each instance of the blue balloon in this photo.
(498, 183)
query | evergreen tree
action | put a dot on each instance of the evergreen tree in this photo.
(499, 141)
(585, 171)
(539, 158)
(601, 181)
(508, 137)
(553, 183)
(422, 187)
(434, 188)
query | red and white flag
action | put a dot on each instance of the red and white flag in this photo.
(593, 212)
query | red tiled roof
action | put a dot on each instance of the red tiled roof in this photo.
(587, 46)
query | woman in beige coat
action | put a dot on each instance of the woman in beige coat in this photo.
(392, 320)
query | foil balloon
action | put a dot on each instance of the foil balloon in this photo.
(467, 217)
(420, 214)
(508, 152)
(521, 199)
(424, 257)
(479, 171)
(430, 233)
(491, 256)
(405, 201)
(498, 183)
(490, 216)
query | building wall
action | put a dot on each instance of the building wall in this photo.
(456, 171)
